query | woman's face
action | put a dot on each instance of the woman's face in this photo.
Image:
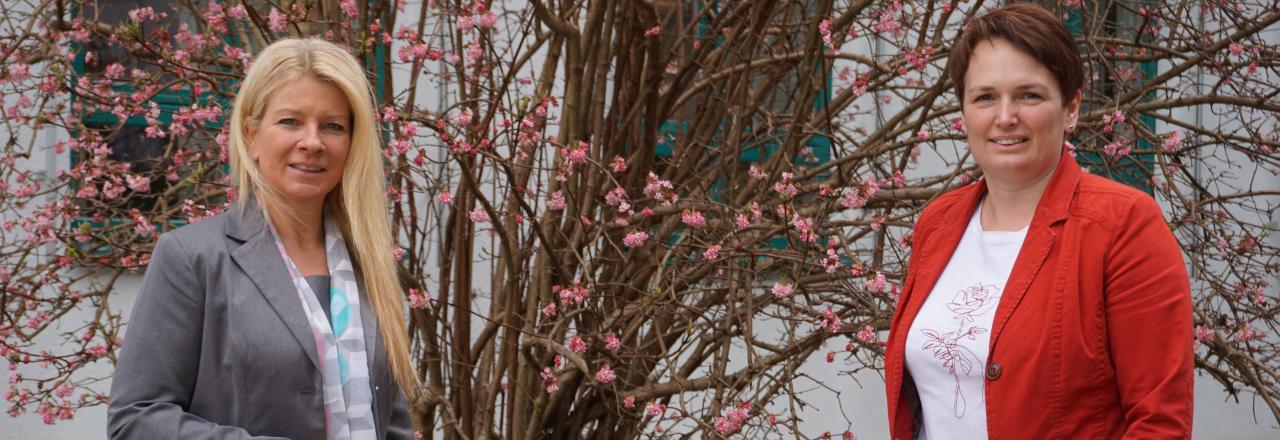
(1014, 115)
(300, 144)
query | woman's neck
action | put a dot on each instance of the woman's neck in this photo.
(1010, 207)
(302, 234)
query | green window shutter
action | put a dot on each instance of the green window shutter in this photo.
(1133, 169)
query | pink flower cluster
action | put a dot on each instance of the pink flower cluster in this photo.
(733, 419)
(549, 380)
(635, 239)
(829, 321)
(418, 299)
(693, 218)
(782, 290)
(867, 335)
(605, 374)
(556, 201)
(660, 190)
(574, 294)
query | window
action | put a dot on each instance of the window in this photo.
(1116, 150)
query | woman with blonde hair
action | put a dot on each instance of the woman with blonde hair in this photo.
(283, 317)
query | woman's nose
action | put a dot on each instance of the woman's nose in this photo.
(310, 140)
(1007, 114)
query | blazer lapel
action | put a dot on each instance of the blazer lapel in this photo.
(372, 337)
(935, 255)
(1053, 209)
(259, 258)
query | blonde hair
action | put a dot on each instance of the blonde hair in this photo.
(356, 203)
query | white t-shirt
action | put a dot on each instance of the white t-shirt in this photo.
(947, 345)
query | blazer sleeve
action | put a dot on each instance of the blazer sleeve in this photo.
(156, 374)
(401, 426)
(1148, 312)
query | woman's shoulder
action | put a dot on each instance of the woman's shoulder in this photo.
(943, 203)
(199, 237)
(1107, 197)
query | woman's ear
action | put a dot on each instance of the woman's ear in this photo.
(1073, 112)
(249, 132)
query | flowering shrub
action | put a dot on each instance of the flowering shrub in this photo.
(533, 147)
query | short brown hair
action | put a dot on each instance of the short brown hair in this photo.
(1030, 28)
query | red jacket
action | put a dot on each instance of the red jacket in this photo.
(1092, 338)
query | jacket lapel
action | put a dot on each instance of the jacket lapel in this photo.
(936, 252)
(255, 251)
(1052, 209)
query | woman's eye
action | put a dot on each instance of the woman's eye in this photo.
(1031, 97)
(289, 122)
(335, 127)
(982, 98)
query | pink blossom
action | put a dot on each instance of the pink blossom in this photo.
(804, 227)
(141, 225)
(655, 409)
(462, 119)
(785, 187)
(465, 23)
(611, 342)
(1204, 334)
(474, 51)
(556, 201)
(142, 14)
(138, 183)
(1236, 48)
(635, 239)
(238, 12)
(742, 221)
(577, 345)
(660, 190)
(479, 215)
(1173, 142)
(575, 294)
(888, 19)
(824, 28)
(549, 380)
(616, 197)
(756, 173)
(712, 253)
(417, 299)
(733, 419)
(445, 198)
(876, 283)
(487, 21)
(653, 31)
(782, 290)
(276, 21)
(829, 321)
(693, 218)
(549, 310)
(605, 374)
(629, 402)
(618, 164)
(867, 334)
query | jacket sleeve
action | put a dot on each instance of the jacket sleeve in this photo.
(1148, 310)
(401, 426)
(156, 374)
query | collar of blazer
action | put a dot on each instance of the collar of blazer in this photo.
(254, 250)
(945, 232)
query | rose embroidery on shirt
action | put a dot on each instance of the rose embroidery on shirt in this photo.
(968, 304)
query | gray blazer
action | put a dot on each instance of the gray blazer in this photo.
(218, 346)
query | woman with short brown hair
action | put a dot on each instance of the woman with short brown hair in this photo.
(1041, 301)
